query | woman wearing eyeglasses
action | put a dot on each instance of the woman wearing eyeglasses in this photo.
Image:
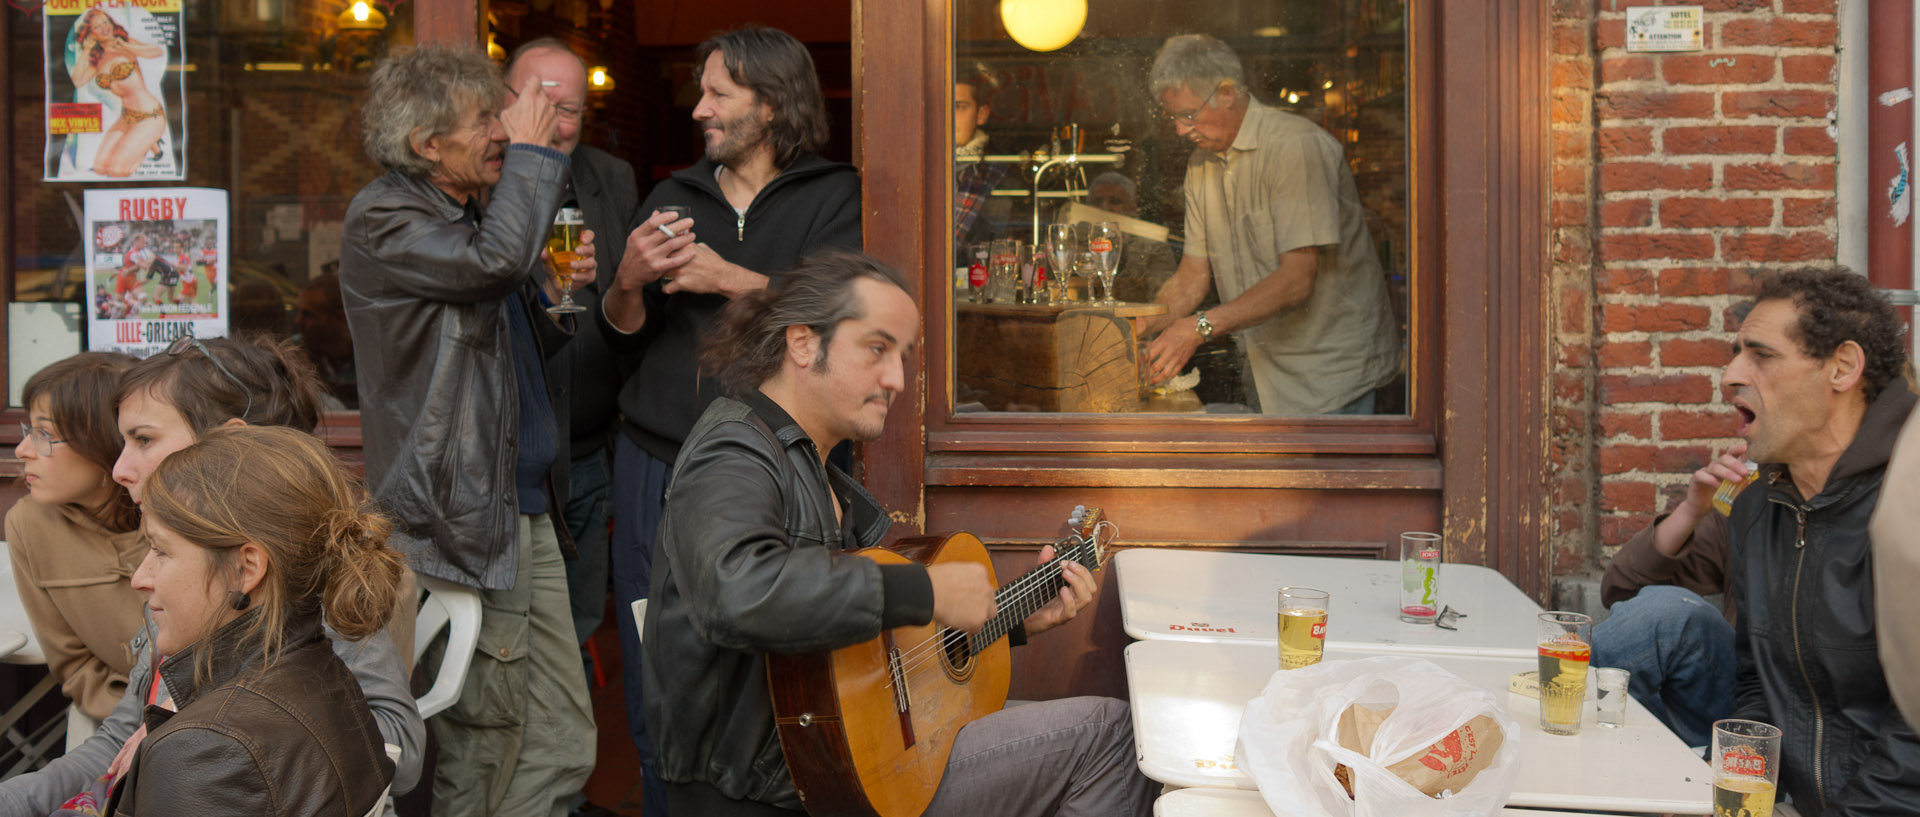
(74, 540)
(256, 534)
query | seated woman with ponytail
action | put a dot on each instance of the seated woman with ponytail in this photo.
(256, 533)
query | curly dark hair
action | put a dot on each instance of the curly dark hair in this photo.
(1836, 306)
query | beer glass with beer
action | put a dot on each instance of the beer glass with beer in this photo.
(1566, 646)
(562, 238)
(1303, 626)
(1746, 768)
(1419, 577)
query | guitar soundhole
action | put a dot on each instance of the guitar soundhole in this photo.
(955, 655)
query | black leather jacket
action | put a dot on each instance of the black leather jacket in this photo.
(423, 291)
(1802, 575)
(748, 563)
(293, 739)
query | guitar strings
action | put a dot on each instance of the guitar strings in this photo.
(1021, 590)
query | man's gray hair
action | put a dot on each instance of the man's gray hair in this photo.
(423, 90)
(1116, 179)
(1196, 62)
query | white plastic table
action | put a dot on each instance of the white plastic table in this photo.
(13, 618)
(1237, 803)
(1187, 699)
(10, 642)
(1203, 595)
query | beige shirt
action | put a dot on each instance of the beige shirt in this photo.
(75, 581)
(1284, 185)
(1896, 571)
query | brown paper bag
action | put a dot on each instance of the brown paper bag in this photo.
(1448, 765)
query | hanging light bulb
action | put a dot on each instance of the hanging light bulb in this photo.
(598, 79)
(362, 16)
(1043, 25)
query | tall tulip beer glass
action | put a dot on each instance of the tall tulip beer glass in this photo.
(1419, 577)
(1566, 646)
(1746, 768)
(1303, 626)
(562, 238)
(1104, 243)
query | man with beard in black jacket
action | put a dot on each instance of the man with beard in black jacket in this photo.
(1817, 379)
(758, 201)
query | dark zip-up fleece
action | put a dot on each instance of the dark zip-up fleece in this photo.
(1802, 575)
(811, 206)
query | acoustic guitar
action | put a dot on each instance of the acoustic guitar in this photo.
(867, 729)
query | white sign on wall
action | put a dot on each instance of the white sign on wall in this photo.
(1664, 28)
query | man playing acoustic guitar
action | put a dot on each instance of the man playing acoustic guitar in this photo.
(755, 558)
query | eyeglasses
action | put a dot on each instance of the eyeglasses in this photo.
(43, 441)
(1188, 117)
(567, 110)
(188, 341)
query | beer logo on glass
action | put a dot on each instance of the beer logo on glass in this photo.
(1430, 553)
(1100, 245)
(1319, 630)
(1743, 760)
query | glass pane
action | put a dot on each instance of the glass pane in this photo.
(271, 115)
(1258, 175)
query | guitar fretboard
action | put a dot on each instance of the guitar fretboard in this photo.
(1025, 595)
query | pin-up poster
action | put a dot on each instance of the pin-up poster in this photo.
(116, 97)
(154, 261)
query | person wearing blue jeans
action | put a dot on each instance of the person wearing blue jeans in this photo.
(1678, 645)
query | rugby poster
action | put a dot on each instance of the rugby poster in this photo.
(115, 92)
(155, 258)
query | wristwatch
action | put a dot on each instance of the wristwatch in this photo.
(1204, 326)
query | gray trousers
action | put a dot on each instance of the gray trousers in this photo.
(520, 740)
(1072, 757)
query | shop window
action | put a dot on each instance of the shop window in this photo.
(263, 103)
(1303, 158)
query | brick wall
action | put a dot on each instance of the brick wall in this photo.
(1674, 177)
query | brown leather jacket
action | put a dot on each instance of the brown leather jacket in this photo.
(293, 738)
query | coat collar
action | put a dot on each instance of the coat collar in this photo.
(231, 653)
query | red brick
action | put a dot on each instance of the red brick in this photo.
(1771, 176)
(1641, 247)
(1610, 34)
(1692, 281)
(1808, 104)
(1634, 497)
(1807, 6)
(1698, 425)
(1716, 353)
(1575, 315)
(1570, 40)
(1635, 424)
(1665, 317)
(1576, 355)
(1625, 354)
(1806, 212)
(1626, 213)
(1570, 9)
(1681, 460)
(1571, 143)
(1651, 388)
(1718, 69)
(1813, 141)
(1616, 530)
(1807, 69)
(1619, 176)
(1653, 104)
(1735, 5)
(1688, 212)
(1623, 281)
(1776, 249)
(1572, 247)
(1626, 141)
(1622, 459)
(1573, 74)
(1570, 107)
(1779, 31)
(1569, 212)
(1570, 178)
(1721, 139)
(1570, 386)
(1621, 69)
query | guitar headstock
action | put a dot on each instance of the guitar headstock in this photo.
(1089, 535)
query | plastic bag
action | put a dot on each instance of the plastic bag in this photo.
(1289, 743)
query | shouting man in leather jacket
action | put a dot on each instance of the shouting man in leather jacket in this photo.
(752, 559)
(442, 278)
(1816, 377)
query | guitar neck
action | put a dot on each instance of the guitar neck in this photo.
(1025, 595)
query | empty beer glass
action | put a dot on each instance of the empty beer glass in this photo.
(1419, 577)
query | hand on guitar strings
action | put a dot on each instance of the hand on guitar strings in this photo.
(1075, 595)
(962, 595)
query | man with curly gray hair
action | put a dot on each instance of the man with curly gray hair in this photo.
(1274, 223)
(443, 295)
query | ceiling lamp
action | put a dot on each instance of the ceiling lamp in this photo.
(1043, 25)
(362, 16)
(598, 79)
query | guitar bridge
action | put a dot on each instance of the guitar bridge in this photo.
(896, 672)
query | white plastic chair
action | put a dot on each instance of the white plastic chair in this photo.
(457, 609)
(639, 618)
(79, 727)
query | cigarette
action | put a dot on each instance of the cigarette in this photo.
(549, 83)
(663, 228)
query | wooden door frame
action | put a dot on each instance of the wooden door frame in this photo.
(1483, 107)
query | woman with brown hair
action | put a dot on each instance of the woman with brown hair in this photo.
(74, 539)
(256, 533)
